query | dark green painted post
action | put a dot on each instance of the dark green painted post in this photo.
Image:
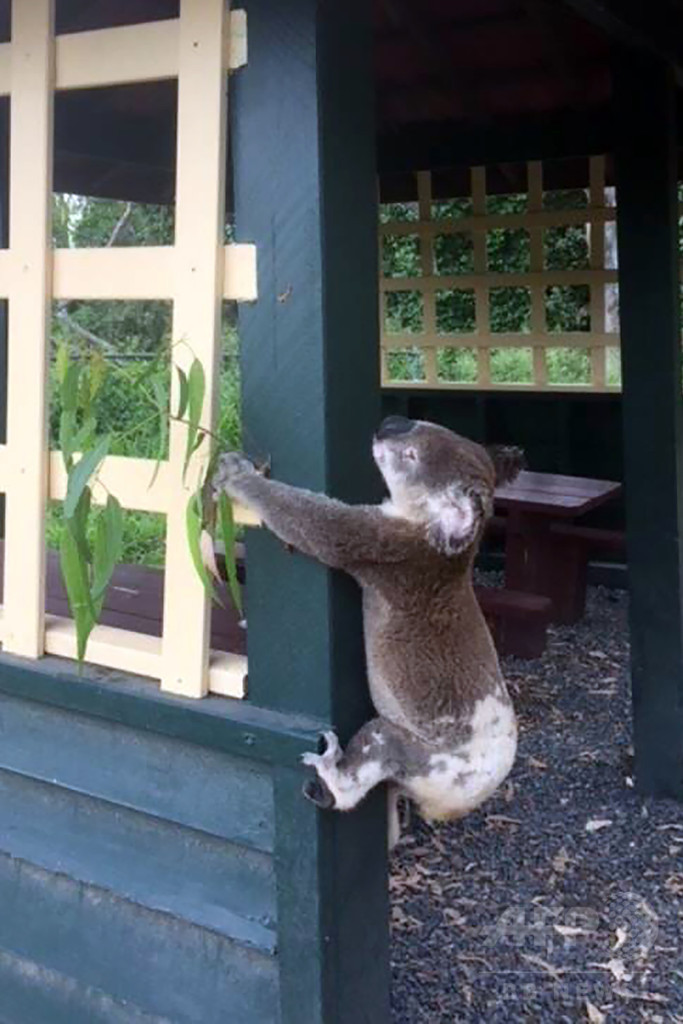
(305, 193)
(653, 413)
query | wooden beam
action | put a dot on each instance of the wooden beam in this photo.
(647, 228)
(652, 28)
(305, 193)
(443, 144)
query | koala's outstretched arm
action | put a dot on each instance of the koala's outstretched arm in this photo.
(336, 534)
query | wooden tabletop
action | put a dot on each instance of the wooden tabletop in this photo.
(552, 494)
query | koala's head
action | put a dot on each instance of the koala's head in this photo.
(441, 479)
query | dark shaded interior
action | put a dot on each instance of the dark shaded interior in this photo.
(457, 82)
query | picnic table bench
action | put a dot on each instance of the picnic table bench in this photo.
(546, 552)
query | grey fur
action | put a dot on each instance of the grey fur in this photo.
(431, 661)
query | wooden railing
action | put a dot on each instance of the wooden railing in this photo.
(426, 343)
(196, 273)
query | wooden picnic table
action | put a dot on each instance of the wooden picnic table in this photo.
(539, 558)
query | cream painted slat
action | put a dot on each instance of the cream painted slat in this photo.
(142, 272)
(487, 221)
(139, 654)
(567, 339)
(597, 261)
(424, 192)
(480, 279)
(111, 56)
(28, 337)
(536, 265)
(129, 53)
(130, 479)
(500, 280)
(200, 190)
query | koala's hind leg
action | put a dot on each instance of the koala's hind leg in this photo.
(375, 754)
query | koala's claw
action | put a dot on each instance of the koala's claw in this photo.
(318, 793)
(331, 755)
(231, 467)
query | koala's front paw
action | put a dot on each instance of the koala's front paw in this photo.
(232, 469)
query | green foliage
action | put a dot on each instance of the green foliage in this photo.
(457, 365)
(453, 254)
(511, 365)
(87, 561)
(508, 250)
(406, 364)
(401, 256)
(226, 524)
(455, 310)
(91, 544)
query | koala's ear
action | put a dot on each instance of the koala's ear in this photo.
(454, 521)
(508, 462)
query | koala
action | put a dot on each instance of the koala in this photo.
(445, 734)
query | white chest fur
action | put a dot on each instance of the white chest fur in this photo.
(461, 778)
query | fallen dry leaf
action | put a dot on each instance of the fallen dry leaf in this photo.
(616, 967)
(641, 997)
(674, 884)
(555, 972)
(560, 861)
(501, 819)
(595, 824)
(568, 931)
(594, 1015)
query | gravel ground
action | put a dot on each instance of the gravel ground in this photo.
(562, 898)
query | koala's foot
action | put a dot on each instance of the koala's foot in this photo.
(349, 776)
(316, 790)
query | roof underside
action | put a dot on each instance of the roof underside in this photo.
(457, 81)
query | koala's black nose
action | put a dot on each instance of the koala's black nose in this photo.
(394, 426)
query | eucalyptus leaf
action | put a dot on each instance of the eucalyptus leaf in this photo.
(62, 362)
(98, 373)
(106, 549)
(194, 526)
(184, 393)
(196, 386)
(84, 399)
(67, 433)
(85, 435)
(81, 473)
(69, 389)
(78, 524)
(75, 576)
(226, 523)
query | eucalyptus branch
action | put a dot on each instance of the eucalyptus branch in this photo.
(94, 339)
(120, 225)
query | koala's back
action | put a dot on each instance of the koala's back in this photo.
(429, 652)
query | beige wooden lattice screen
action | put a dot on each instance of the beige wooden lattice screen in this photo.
(432, 289)
(197, 273)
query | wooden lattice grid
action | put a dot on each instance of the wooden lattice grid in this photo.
(197, 273)
(480, 281)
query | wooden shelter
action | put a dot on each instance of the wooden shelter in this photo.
(157, 859)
